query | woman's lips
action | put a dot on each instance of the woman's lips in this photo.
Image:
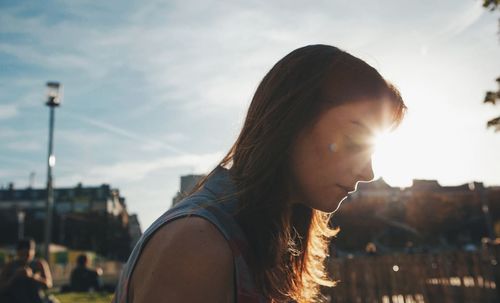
(346, 189)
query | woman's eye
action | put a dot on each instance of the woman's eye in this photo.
(356, 146)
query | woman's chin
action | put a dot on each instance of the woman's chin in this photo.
(330, 206)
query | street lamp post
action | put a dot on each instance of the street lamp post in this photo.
(54, 96)
(20, 223)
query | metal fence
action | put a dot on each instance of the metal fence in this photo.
(417, 278)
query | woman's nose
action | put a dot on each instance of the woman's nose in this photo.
(366, 172)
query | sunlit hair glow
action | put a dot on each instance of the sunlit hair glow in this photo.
(289, 242)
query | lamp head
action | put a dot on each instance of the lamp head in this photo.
(54, 94)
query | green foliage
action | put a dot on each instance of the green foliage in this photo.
(492, 97)
(84, 297)
(491, 4)
(494, 123)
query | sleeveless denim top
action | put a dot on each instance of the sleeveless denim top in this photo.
(204, 204)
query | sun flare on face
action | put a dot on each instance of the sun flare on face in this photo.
(389, 158)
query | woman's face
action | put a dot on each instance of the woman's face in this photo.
(329, 159)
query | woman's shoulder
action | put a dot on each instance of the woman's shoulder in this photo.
(187, 233)
(186, 260)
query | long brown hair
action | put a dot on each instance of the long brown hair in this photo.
(289, 242)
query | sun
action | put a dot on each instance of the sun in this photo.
(390, 159)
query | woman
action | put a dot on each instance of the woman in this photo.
(257, 228)
(25, 279)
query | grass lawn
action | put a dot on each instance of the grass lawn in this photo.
(84, 297)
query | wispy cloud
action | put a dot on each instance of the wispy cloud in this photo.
(18, 161)
(24, 146)
(182, 53)
(8, 111)
(12, 133)
(127, 134)
(134, 171)
(49, 59)
(11, 173)
(462, 19)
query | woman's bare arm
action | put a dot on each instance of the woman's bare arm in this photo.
(187, 260)
(45, 278)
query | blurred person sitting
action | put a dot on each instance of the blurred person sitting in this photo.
(409, 247)
(371, 249)
(25, 278)
(83, 278)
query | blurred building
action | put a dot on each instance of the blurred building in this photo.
(134, 229)
(188, 182)
(426, 214)
(85, 218)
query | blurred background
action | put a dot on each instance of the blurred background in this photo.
(146, 97)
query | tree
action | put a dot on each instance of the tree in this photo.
(492, 97)
(491, 4)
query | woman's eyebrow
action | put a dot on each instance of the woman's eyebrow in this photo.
(360, 124)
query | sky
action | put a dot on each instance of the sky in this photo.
(158, 89)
